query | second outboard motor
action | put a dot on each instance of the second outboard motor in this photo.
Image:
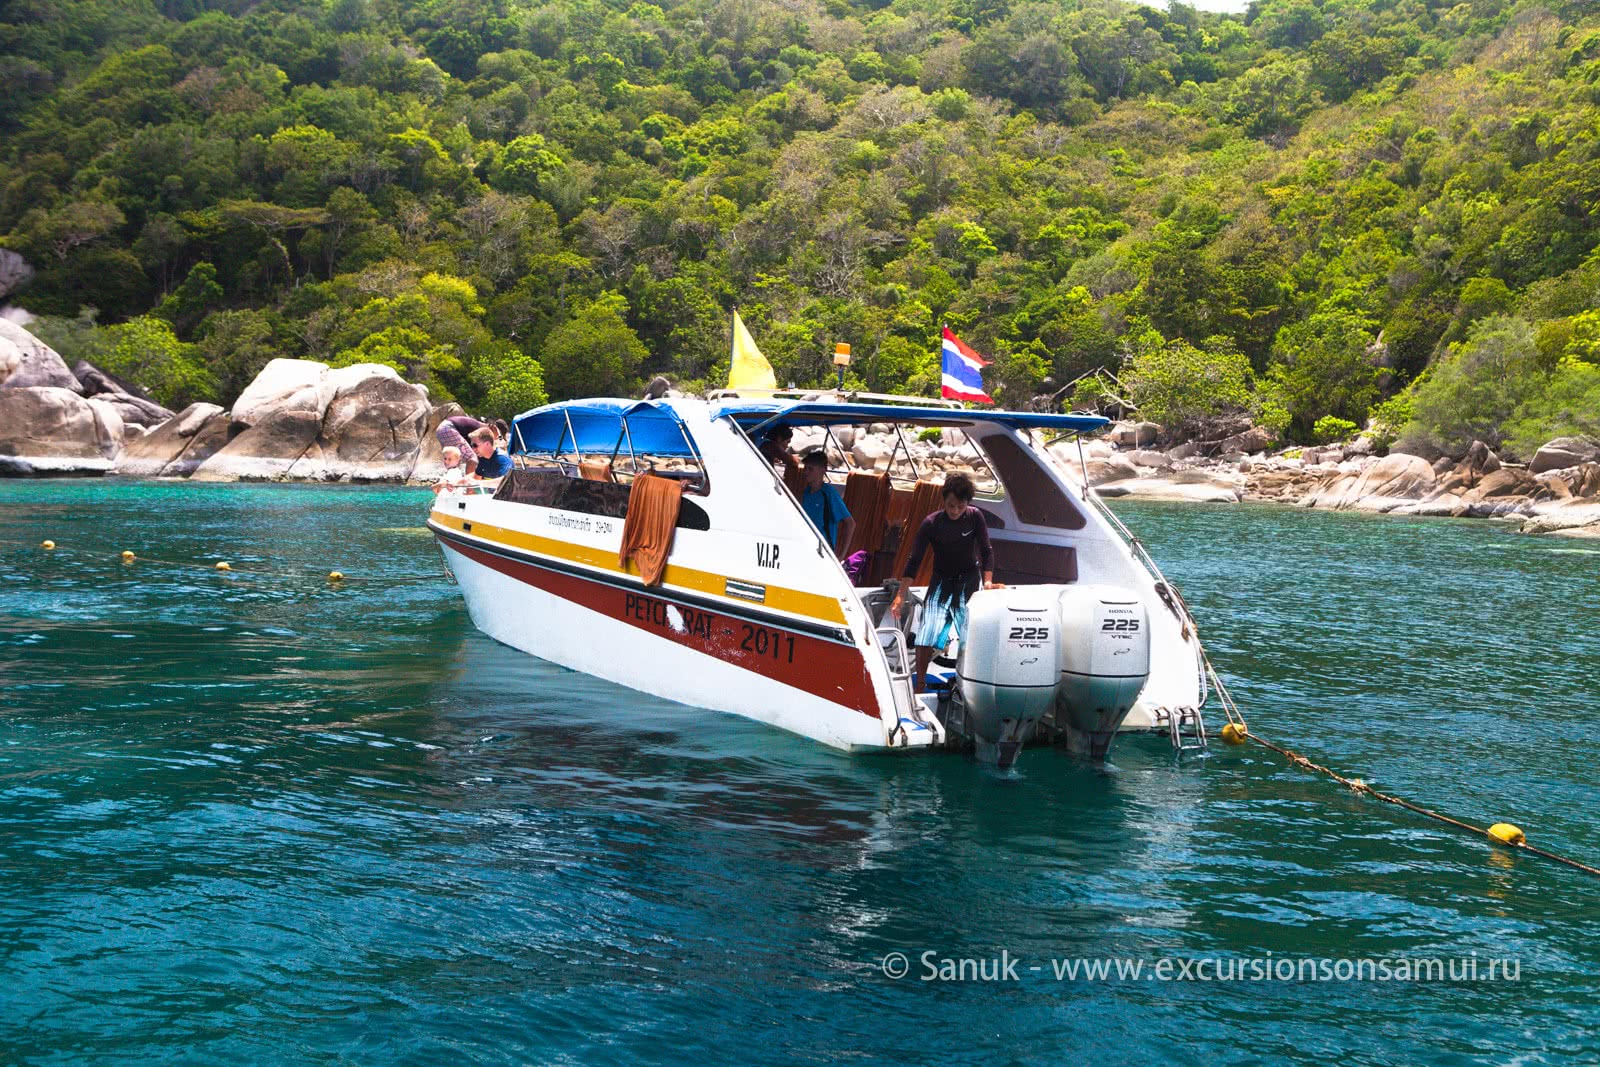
(1105, 661)
(1009, 667)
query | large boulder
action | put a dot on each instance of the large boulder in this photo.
(28, 363)
(1507, 481)
(134, 407)
(96, 381)
(1281, 482)
(872, 451)
(51, 430)
(1382, 485)
(264, 452)
(373, 429)
(1114, 469)
(1189, 490)
(1066, 450)
(134, 411)
(1459, 479)
(1143, 457)
(210, 432)
(1400, 476)
(1134, 434)
(1585, 481)
(1575, 512)
(1255, 439)
(300, 386)
(151, 455)
(109, 417)
(1564, 452)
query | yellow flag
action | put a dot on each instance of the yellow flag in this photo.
(750, 369)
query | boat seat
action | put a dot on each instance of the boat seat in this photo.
(596, 470)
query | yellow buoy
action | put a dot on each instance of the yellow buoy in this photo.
(222, 565)
(128, 556)
(1507, 834)
(335, 576)
(1235, 733)
(48, 546)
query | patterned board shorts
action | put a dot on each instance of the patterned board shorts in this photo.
(944, 615)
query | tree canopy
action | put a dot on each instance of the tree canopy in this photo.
(1314, 205)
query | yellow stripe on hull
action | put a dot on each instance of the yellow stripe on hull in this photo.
(792, 601)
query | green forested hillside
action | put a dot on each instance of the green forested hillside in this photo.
(1301, 212)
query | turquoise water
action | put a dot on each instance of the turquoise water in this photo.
(270, 821)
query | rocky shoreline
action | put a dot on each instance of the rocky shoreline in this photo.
(298, 421)
(303, 421)
(1558, 492)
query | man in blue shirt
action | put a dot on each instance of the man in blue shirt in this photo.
(492, 463)
(824, 506)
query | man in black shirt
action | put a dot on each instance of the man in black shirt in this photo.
(963, 561)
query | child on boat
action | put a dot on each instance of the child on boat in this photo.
(455, 471)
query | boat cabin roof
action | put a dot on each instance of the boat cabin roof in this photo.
(602, 424)
(753, 414)
(655, 427)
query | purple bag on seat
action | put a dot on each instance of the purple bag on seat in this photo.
(856, 566)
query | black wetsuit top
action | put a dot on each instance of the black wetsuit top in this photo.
(961, 551)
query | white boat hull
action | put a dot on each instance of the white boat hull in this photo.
(753, 614)
(554, 626)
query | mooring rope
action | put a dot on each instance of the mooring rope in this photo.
(1237, 732)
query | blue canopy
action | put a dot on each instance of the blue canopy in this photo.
(602, 424)
(749, 413)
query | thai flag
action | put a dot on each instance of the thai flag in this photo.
(960, 370)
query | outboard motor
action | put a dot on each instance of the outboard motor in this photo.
(1105, 660)
(1009, 667)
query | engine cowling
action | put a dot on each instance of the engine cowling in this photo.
(1105, 662)
(1009, 667)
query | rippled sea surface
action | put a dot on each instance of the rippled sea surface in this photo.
(266, 820)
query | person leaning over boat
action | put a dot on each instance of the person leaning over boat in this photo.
(824, 506)
(963, 561)
(492, 463)
(454, 431)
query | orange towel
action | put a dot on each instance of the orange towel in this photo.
(653, 505)
(596, 470)
(919, 503)
(866, 496)
(794, 476)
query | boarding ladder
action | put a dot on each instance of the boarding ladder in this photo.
(910, 713)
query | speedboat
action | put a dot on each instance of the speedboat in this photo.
(652, 544)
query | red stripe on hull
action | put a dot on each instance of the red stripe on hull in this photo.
(810, 664)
